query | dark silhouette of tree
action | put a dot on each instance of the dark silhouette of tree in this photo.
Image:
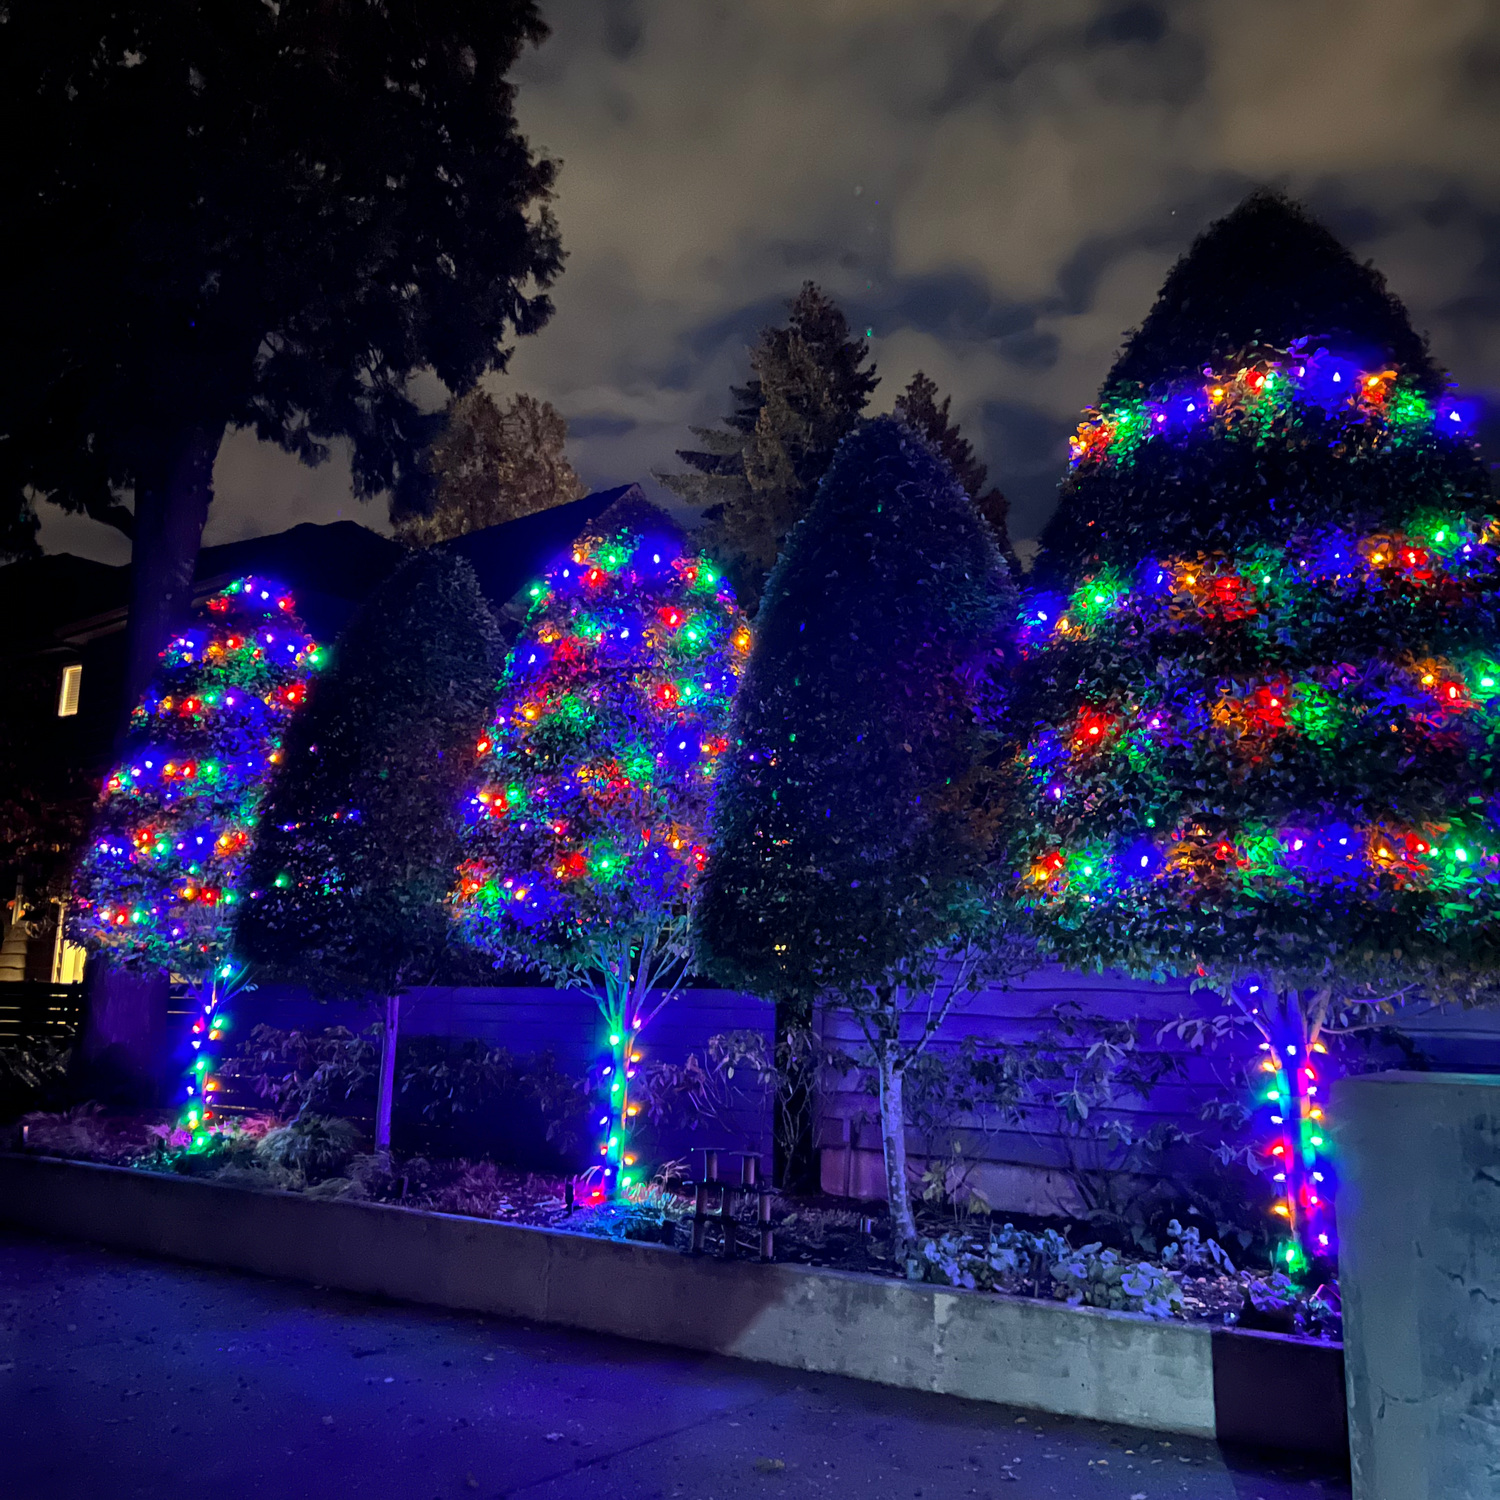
(850, 849)
(255, 215)
(491, 464)
(349, 879)
(918, 407)
(756, 476)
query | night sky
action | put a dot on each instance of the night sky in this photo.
(995, 191)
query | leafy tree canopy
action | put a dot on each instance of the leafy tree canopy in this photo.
(491, 464)
(1268, 273)
(756, 476)
(1232, 305)
(350, 879)
(851, 833)
(256, 215)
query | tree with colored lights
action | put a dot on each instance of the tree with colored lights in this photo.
(757, 476)
(349, 882)
(1262, 681)
(164, 875)
(585, 837)
(850, 856)
(491, 464)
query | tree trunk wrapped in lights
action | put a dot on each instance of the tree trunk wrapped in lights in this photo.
(851, 837)
(162, 879)
(1262, 685)
(585, 838)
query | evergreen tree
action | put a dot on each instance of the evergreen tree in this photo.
(918, 407)
(584, 840)
(252, 215)
(851, 842)
(349, 881)
(1260, 707)
(491, 464)
(162, 878)
(757, 476)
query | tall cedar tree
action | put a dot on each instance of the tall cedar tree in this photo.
(918, 407)
(850, 853)
(250, 215)
(1261, 703)
(491, 464)
(584, 839)
(350, 879)
(756, 477)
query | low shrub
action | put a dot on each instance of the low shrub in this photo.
(317, 1146)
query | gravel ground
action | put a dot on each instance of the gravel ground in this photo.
(122, 1377)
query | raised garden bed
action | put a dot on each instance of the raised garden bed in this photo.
(1020, 1259)
(1076, 1361)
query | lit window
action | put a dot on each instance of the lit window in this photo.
(67, 693)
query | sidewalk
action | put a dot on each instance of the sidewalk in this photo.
(125, 1377)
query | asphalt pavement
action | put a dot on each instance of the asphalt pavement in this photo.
(124, 1377)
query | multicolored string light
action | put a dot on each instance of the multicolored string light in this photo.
(1262, 389)
(160, 881)
(586, 830)
(1259, 758)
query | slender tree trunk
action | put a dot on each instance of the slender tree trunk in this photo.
(893, 1144)
(794, 1160)
(171, 506)
(120, 1057)
(386, 1087)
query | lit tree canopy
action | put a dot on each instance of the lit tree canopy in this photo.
(586, 835)
(164, 875)
(1259, 707)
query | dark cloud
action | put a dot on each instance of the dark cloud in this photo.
(996, 190)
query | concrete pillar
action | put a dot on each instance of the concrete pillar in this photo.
(1419, 1267)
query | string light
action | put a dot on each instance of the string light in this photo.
(161, 877)
(591, 800)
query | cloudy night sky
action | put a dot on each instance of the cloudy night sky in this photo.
(994, 191)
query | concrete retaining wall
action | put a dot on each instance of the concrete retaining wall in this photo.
(1109, 1367)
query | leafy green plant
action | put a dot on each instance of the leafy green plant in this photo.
(317, 1146)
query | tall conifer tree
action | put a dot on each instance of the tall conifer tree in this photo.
(756, 476)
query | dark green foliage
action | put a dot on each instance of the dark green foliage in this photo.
(255, 215)
(33, 1075)
(358, 840)
(317, 1146)
(851, 830)
(1268, 273)
(918, 407)
(756, 478)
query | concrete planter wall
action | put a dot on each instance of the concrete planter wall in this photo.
(1110, 1367)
